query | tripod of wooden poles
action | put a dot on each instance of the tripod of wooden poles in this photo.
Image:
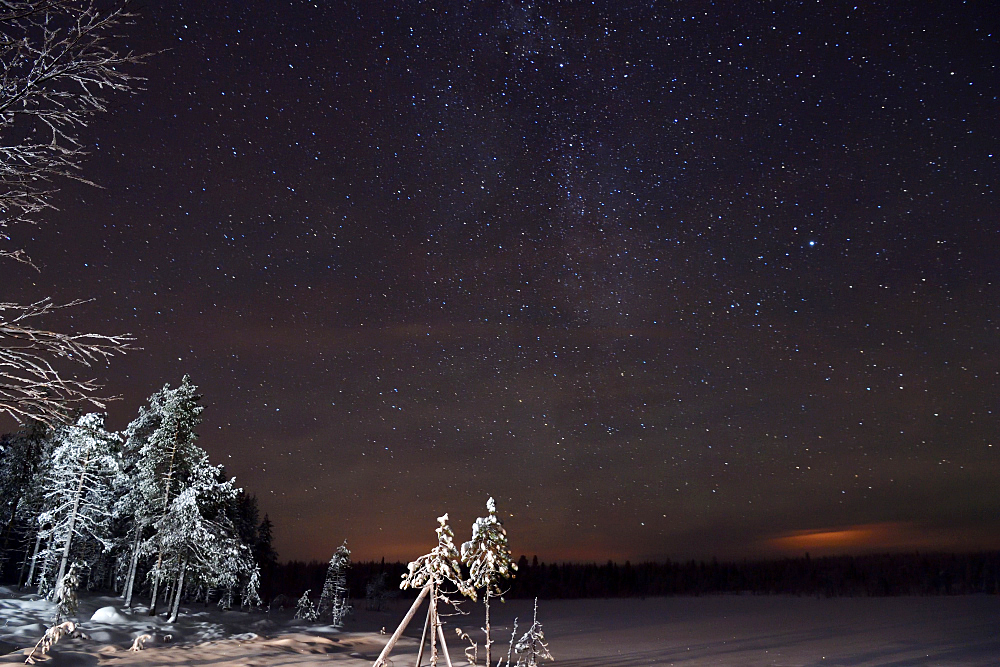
(432, 630)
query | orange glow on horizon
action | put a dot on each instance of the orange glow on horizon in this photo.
(846, 539)
(871, 537)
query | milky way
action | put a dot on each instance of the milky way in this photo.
(673, 281)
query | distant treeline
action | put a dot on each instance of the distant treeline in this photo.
(833, 576)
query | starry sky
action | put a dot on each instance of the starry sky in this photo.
(681, 279)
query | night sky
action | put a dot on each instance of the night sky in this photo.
(675, 281)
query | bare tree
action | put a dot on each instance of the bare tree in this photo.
(31, 387)
(57, 66)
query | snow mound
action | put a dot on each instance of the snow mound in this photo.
(109, 615)
(29, 629)
(70, 659)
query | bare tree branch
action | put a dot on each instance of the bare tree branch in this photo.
(58, 67)
(59, 64)
(30, 386)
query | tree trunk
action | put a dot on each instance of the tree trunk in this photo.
(166, 504)
(69, 530)
(7, 532)
(177, 595)
(34, 558)
(444, 646)
(168, 592)
(434, 626)
(133, 566)
(156, 590)
(489, 642)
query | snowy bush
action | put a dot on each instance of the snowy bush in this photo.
(305, 610)
(531, 648)
(66, 600)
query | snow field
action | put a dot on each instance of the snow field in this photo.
(746, 631)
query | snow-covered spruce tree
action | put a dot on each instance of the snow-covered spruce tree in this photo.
(244, 515)
(265, 555)
(22, 456)
(333, 599)
(198, 544)
(139, 495)
(305, 610)
(438, 569)
(78, 490)
(166, 460)
(488, 559)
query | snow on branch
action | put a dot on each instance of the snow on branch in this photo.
(439, 566)
(31, 386)
(50, 639)
(59, 64)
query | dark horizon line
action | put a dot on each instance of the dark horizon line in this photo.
(713, 559)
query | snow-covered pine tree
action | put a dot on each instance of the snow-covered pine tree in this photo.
(333, 600)
(437, 569)
(20, 455)
(78, 490)
(440, 566)
(244, 515)
(198, 543)
(139, 494)
(25, 458)
(251, 592)
(167, 456)
(488, 559)
(305, 610)
(265, 555)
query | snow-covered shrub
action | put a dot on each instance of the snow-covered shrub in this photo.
(531, 648)
(66, 600)
(50, 639)
(305, 610)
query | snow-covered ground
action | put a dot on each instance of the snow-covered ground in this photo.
(716, 630)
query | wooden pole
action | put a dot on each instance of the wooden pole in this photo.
(423, 636)
(444, 644)
(434, 622)
(402, 626)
